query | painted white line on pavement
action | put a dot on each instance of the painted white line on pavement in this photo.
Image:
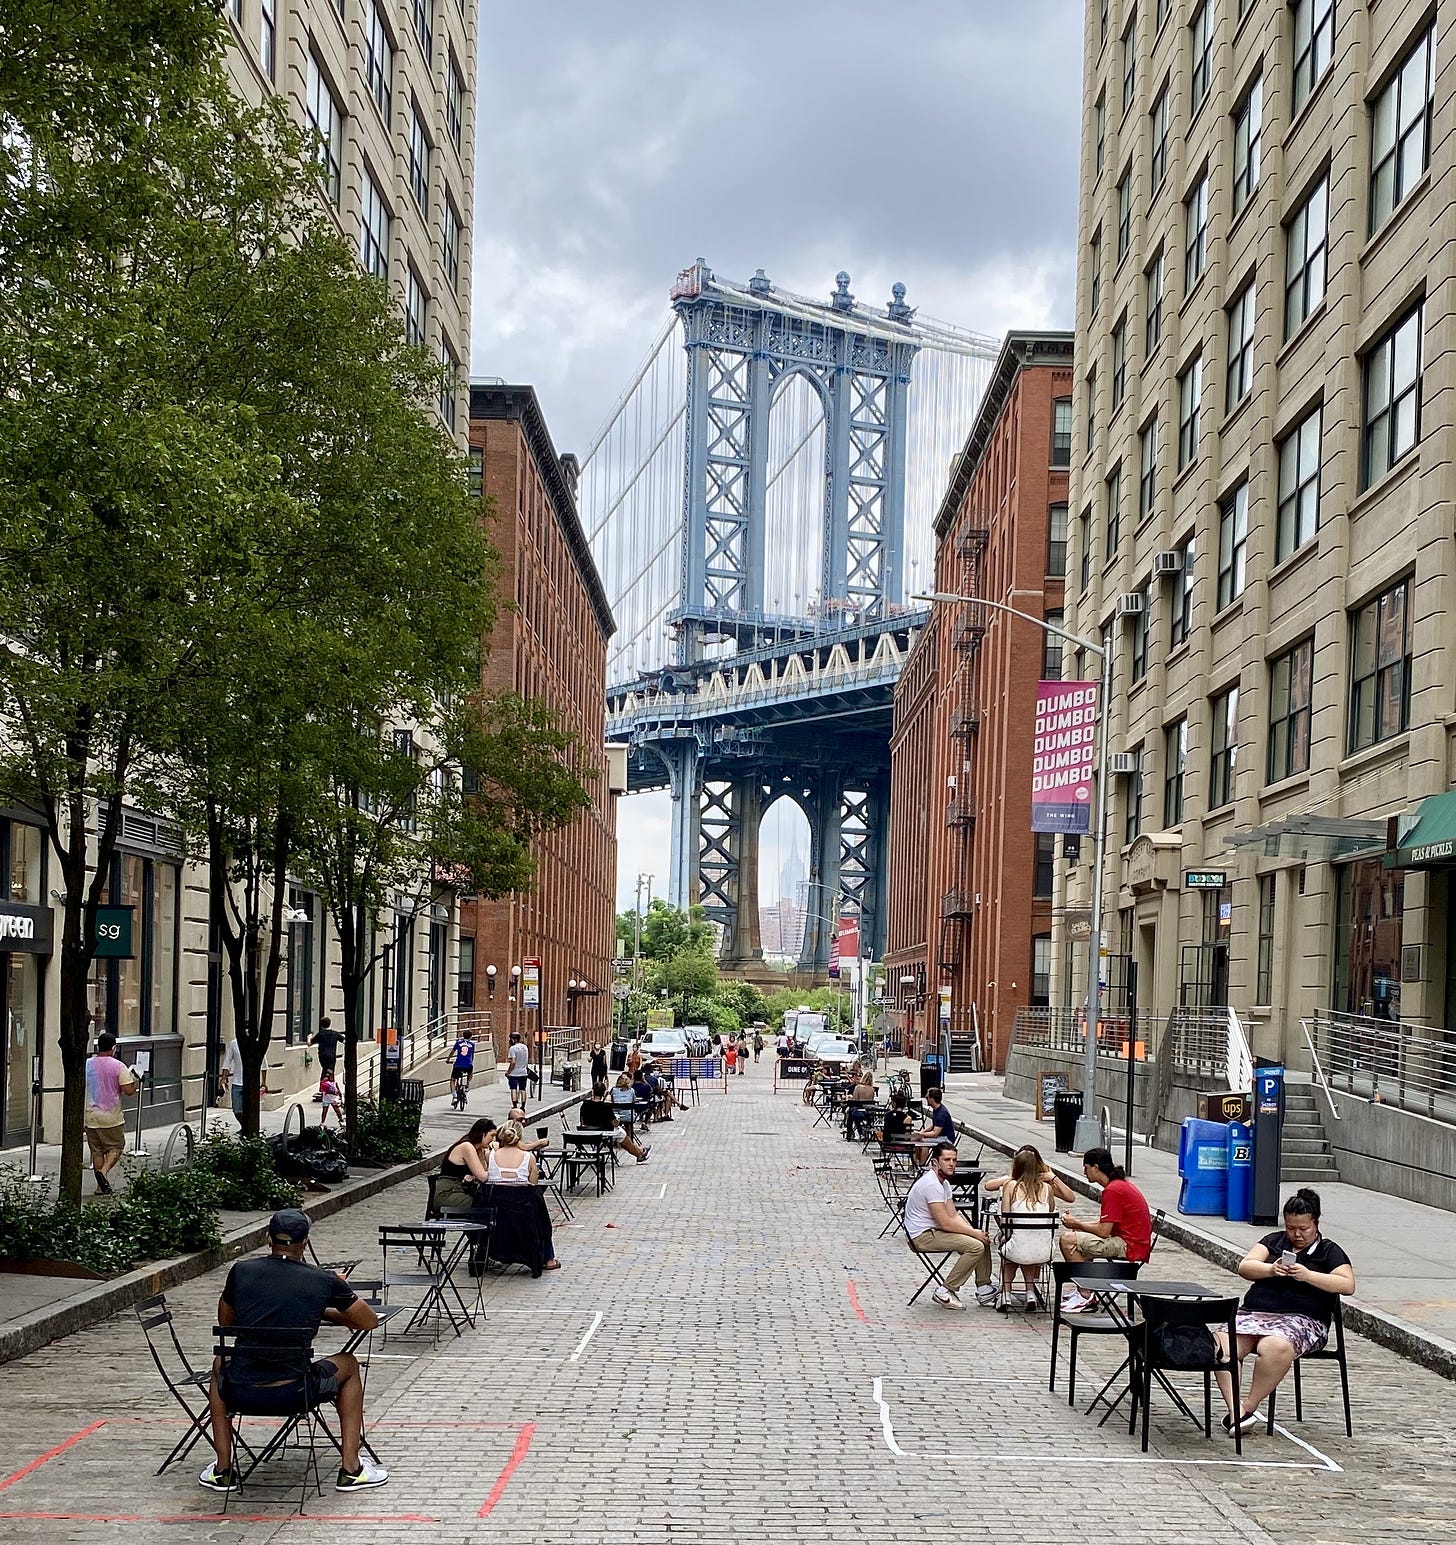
(1125, 1459)
(662, 1192)
(885, 1426)
(1309, 1448)
(590, 1332)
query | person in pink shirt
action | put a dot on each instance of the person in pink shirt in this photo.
(107, 1080)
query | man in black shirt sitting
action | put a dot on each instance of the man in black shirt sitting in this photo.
(281, 1291)
(597, 1115)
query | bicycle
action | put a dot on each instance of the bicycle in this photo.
(459, 1088)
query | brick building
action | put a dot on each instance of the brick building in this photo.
(551, 645)
(970, 884)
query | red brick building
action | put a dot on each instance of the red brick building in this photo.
(970, 884)
(551, 645)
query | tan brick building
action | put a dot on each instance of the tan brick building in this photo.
(1261, 499)
(970, 884)
(551, 645)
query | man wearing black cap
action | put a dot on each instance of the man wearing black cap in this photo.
(281, 1290)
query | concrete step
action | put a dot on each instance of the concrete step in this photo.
(1305, 1145)
(1305, 1172)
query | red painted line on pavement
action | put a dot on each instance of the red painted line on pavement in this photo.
(864, 1319)
(228, 1518)
(60, 1448)
(518, 1453)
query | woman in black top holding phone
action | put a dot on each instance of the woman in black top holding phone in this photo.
(1297, 1275)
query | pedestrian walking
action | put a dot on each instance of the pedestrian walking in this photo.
(757, 1045)
(107, 1079)
(742, 1054)
(331, 1099)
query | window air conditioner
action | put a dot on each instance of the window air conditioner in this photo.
(1167, 563)
(1122, 763)
(1133, 604)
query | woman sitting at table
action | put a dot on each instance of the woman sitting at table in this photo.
(861, 1094)
(522, 1230)
(1029, 1191)
(897, 1118)
(464, 1168)
(1298, 1275)
(597, 1115)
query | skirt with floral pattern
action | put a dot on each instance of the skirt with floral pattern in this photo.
(1299, 1330)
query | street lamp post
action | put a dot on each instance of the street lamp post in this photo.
(1089, 1129)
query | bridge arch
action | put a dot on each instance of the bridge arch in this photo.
(796, 494)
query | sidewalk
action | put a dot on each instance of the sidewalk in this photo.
(1404, 1253)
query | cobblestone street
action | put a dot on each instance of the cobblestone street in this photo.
(706, 1367)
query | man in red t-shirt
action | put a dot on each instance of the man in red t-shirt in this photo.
(1123, 1232)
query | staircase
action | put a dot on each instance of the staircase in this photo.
(1306, 1154)
(965, 1055)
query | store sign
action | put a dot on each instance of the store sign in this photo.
(530, 984)
(1205, 879)
(1423, 855)
(25, 930)
(1064, 756)
(114, 933)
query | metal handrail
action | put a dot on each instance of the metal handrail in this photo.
(1240, 1056)
(1385, 1062)
(1319, 1070)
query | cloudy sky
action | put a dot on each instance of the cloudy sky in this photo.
(929, 141)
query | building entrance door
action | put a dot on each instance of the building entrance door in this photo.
(17, 1015)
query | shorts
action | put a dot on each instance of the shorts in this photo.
(104, 1140)
(328, 1064)
(321, 1385)
(1096, 1249)
(516, 1081)
(467, 1069)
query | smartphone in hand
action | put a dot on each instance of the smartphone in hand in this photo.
(1287, 1258)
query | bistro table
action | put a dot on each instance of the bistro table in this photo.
(450, 1244)
(587, 1148)
(1109, 1293)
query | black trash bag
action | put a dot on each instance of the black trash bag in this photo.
(312, 1154)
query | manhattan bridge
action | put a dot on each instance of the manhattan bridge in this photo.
(760, 505)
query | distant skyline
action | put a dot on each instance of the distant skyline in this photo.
(933, 142)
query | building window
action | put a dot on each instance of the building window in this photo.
(450, 245)
(1102, 22)
(1129, 62)
(1041, 970)
(1099, 127)
(1084, 532)
(448, 383)
(1392, 398)
(1314, 45)
(1200, 35)
(379, 60)
(301, 983)
(1190, 405)
(1195, 234)
(1225, 748)
(414, 308)
(1091, 408)
(1051, 649)
(1240, 348)
(373, 231)
(476, 474)
(1175, 764)
(425, 26)
(1400, 133)
(1299, 487)
(138, 996)
(1119, 362)
(1380, 668)
(454, 102)
(1062, 432)
(326, 119)
(1158, 154)
(1306, 240)
(1046, 852)
(1264, 980)
(1124, 214)
(419, 161)
(1182, 620)
(1147, 467)
(465, 973)
(1233, 542)
(236, 7)
(1290, 678)
(1248, 144)
(1141, 629)
(1094, 264)
(1161, 13)
(1114, 510)
(268, 38)
(1056, 541)
(1132, 825)
(1153, 334)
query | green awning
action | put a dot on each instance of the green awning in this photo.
(1431, 842)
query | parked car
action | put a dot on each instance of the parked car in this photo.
(832, 1049)
(663, 1043)
(699, 1039)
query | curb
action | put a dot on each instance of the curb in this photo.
(30, 1332)
(1412, 1342)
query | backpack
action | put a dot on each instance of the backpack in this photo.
(1184, 1346)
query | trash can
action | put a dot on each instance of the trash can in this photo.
(570, 1077)
(1203, 1149)
(411, 1091)
(932, 1074)
(1240, 1172)
(619, 1057)
(1066, 1108)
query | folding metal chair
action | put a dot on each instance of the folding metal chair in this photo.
(286, 1355)
(935, 1262)
(423, 1256)
(1148, 1361)
(184, 1382)
(1030, 1224)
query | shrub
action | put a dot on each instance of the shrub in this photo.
(385, 1132)
(171, 1212)
(245, 1172)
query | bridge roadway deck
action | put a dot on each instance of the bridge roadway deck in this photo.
(704, 1369)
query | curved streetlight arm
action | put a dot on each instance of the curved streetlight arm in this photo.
(1011, 611)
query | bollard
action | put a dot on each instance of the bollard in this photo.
(34, 1176)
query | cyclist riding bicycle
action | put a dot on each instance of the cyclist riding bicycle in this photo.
(462, 1064)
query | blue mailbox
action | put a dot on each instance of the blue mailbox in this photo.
(1203, 1166)
(1240, 1172)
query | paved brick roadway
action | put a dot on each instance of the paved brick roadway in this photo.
(702, 1370)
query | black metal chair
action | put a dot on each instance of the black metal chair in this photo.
(1150, 1355)
(934, 1262)
(1333, 1351)
(184, 1383)
(1079, 1325)
(286, 1396)
(1030, 1224)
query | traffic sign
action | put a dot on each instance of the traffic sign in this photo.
(530, 984)
(621, 991)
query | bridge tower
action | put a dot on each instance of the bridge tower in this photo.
(744, 346)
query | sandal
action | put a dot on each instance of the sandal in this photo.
(552, 1266)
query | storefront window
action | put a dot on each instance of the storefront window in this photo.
(139, 996)
(22, 879)
(1369, 907)
(302, 969)
(24, 864)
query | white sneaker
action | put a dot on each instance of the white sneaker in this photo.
(1075, 1303)
(986, 1296)
(218, 1480)
(368, 1474)
(946, 1299)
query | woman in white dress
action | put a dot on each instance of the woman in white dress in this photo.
(1031, 1191)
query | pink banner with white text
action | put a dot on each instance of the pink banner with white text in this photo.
(1064, 756)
